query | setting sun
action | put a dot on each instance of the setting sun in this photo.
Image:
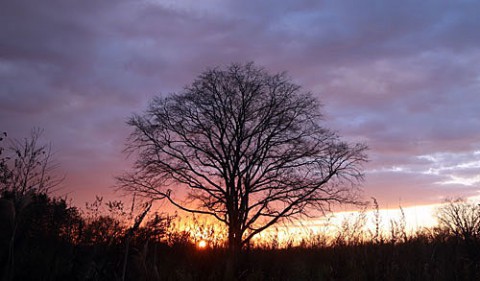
(202, 244)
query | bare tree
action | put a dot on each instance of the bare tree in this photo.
(245, 147)
(460, 217)
(26, 169)
(27, 166)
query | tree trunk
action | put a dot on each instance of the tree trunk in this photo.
(233, 254)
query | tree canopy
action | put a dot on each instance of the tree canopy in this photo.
(244, 146)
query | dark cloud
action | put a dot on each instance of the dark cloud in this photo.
(402, 76)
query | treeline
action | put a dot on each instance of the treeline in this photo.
(47, 239)
(43, 238)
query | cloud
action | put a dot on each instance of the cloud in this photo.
(402, 76)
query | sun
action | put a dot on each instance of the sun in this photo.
(202, 244)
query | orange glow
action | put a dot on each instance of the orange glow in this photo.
(202, 244)
(206, 233)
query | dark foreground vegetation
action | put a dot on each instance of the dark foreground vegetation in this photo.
(49, 240)
(45, 238)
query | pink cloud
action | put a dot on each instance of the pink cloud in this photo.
(402, 77)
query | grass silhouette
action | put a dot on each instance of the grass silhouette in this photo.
(55, 241)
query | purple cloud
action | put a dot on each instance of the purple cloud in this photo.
(403, 77)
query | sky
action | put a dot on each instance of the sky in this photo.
(401, 76)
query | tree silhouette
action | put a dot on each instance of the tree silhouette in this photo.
(460, 218)
(243, 146)
(26, 211)
(26, 166)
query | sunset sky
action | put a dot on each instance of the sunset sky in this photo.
(401, 76)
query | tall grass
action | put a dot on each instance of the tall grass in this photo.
(58, 242)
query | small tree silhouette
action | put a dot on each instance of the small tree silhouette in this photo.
(460, 217)
(26, 177)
